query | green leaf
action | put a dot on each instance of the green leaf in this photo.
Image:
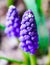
(12, 60)
(2, 27)
(10, 2)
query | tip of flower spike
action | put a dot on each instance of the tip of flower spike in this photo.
(12, 6)
(28, 14)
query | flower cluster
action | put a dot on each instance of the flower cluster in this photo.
(27, 30)
(28, 33)
(12, 22)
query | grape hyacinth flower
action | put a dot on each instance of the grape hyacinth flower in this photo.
(28, 33)
(12, 22)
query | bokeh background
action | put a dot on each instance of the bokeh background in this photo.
(9, 46)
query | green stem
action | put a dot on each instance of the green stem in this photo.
(12, 61)
(33, 60)
(26, 57)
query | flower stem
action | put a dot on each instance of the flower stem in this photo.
(26, 58)
(33, 60)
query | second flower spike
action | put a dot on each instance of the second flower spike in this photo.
(12, 22)
(28, 33)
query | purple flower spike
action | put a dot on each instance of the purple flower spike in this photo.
(28, 33)
(12, 22)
